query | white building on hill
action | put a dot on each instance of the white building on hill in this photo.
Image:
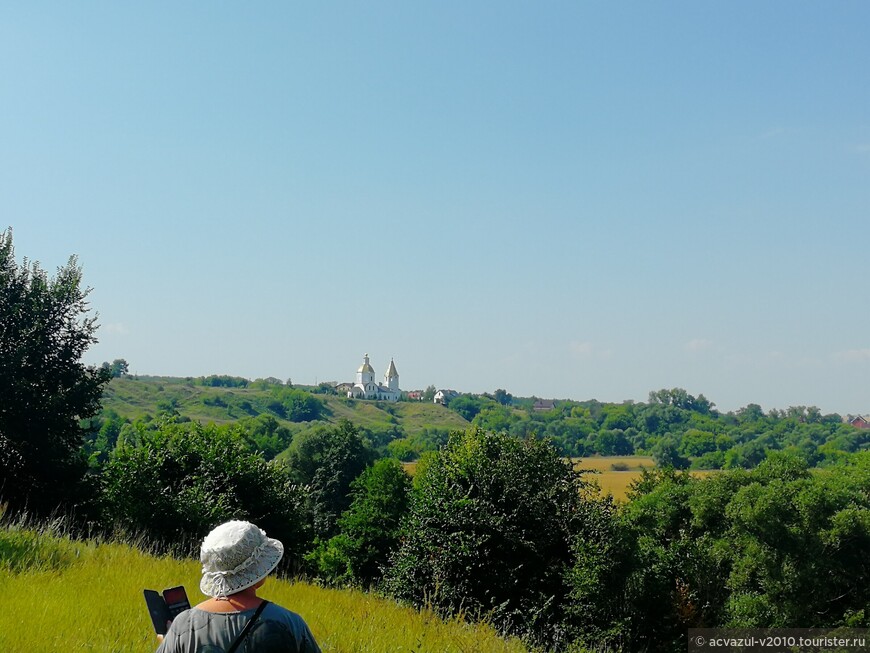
(367, 388)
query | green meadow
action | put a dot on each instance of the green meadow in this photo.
(61, 594)
(135, 397)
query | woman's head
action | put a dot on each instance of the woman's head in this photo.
(235, 556)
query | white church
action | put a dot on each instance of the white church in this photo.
(367, 388)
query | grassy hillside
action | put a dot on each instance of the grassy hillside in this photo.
(134, 398)
(72, 595)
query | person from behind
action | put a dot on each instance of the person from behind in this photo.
(236, 559)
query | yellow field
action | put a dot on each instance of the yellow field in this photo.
(614, 463)
(613, 474)
(64, 595)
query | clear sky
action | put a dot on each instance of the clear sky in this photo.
(566, 199)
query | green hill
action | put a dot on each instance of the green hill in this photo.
(134, 398)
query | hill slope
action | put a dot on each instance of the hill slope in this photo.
(53, 574)
(135, 397)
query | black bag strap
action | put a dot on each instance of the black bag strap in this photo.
(247, 628)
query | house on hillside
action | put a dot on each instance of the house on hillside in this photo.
(544, 404)
(367, 388)
(415, 395)
(444, 396)
(343, 388)
(860, 421)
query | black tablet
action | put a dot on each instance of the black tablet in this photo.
(164, 609)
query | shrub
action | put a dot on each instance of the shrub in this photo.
(489, 531)
(178, 482)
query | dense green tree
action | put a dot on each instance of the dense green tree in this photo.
(618, 416)
(223, 381)
(503, 397)
(327, 460)
(495, 417)
(596, 617)
(467, 406)
(666, 453)
(750, 413)
(117, 368)
(798, 545)
(370, 528)
(103, 436)
(45, 389)
(771, 547)
(403, 449)
(696, 443)
(490, 531)
(300, 406)
(177, 481)
(266, 434)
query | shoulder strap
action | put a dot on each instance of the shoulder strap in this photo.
(247, 628)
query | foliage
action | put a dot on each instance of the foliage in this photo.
(326, 461)
(666, 453)
(489, 531)
(44, 387)
(772, 547)
(503, 397)
(178, 481)
(117, 368)
(223, 381)
(294, 404)
(467, 406)
(265, 434)
(370, 528)
(102, 436)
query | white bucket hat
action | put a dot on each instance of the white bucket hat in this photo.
(235, 556)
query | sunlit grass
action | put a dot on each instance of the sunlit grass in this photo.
(59, 594)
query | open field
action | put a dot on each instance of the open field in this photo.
(615, 474)
(614, 463)
(71, 595)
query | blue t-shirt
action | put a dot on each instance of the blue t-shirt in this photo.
(277, 630)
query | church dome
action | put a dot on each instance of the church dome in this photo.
(365, 367)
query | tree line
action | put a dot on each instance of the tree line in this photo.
(675, 427)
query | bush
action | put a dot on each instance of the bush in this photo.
(180, 481)
(489, 531)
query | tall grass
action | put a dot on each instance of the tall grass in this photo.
(60, 594)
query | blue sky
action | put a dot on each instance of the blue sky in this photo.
(566, 199)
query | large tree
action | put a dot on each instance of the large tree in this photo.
(327, 460)
(370, 528)
(490, 532)
(45, 389)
